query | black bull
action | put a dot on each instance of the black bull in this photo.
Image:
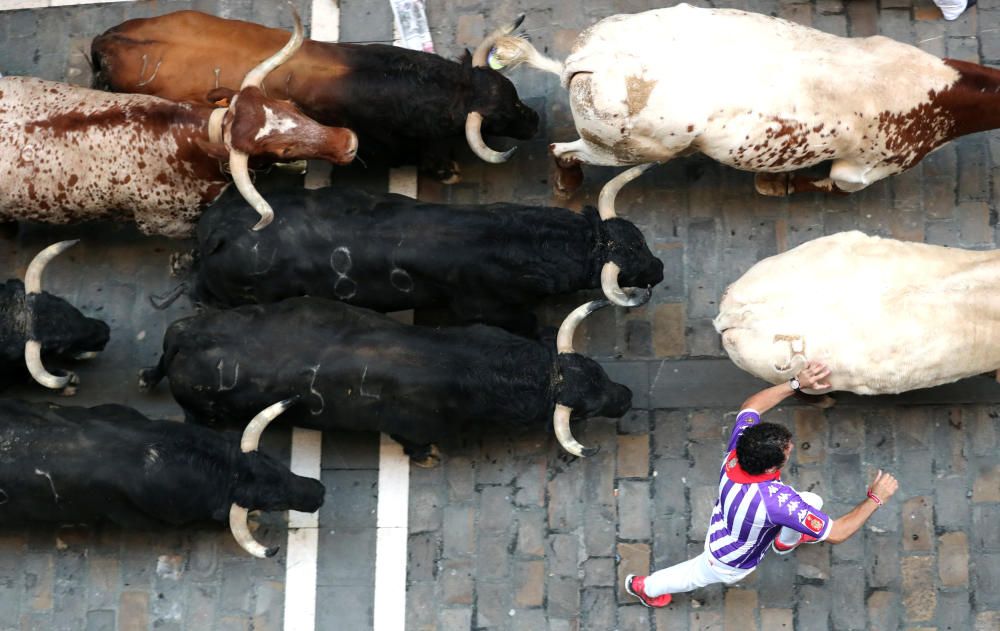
(112, 464)
(390, 253)
(356, 369)
(30, 316)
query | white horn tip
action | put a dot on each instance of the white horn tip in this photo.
(630, 297)
(265, 219)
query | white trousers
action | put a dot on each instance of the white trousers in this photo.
(705, 569)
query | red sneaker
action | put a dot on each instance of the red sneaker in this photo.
(636, 585)
(782, 548)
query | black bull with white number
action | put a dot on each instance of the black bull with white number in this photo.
(112, 464)
(390, 253)
(356, 369)
(35, 324)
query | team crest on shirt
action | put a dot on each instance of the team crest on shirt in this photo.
(812, 521)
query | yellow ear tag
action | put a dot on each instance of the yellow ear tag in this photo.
(492, 61)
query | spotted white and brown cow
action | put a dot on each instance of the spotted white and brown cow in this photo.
(71, 154)
(757, 93)
(886, 316)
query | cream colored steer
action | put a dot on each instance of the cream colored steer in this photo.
(886, 316)
(760, 94)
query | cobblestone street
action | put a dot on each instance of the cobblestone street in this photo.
(510, 533)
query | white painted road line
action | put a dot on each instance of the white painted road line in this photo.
(302, 556)
(391, 536)
(393, 495)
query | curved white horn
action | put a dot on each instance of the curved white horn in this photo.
(560, 422)
(631, 297)
(474, 136)
(33, 277)
(606, 201)
(33, 360)
(256, 76)
(483, 50)
(564, 340)
(241, 532)
(256, 427)
(240, 170)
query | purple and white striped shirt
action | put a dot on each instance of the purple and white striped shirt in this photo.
(751, 509)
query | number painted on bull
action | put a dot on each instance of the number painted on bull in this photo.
(257, 269)
(340, 263)
(401, 280)
(312, 390)
(796, 348)
(222, 381)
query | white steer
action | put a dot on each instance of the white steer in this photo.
(886, 316)
(760, 94)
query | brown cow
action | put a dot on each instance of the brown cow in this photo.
(406, 106)
(69, 153)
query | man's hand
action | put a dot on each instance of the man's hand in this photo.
(884, 485)
(813, 376)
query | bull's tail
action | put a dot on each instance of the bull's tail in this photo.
(511, 50)
(162, 301)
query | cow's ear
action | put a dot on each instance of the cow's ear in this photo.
(215, 149)
(220, 96)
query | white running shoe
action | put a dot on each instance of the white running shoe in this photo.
(951, 9)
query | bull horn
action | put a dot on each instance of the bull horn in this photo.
(256, 76)
(560, 422)
(239, 168)
(564, 340)
(606, 201)
(479, 58)
(564, 344)
(631, 297)
(474, 136)
(33, 277)
(33, 348)
(238, 514)
(33, 360)
(256, 427)
(241, 532)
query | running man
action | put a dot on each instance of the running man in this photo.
(756, 511)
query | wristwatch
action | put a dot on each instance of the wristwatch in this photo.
(794, 383)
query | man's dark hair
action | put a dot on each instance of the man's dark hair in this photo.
(762, 446)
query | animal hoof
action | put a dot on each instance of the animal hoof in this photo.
(771, 184)
(430, 461)
(454, 176)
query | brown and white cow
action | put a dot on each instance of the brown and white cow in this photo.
(886, 316)
(406, 106)
(760, 94)
(71, 154)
